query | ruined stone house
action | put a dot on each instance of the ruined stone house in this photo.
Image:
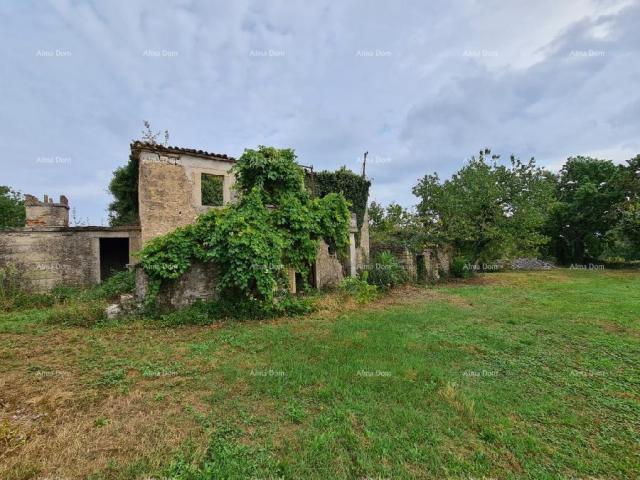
(171, 193)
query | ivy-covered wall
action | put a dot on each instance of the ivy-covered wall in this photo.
(355, 189)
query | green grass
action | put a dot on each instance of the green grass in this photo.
(521, 375)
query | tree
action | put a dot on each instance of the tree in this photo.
(123, 210)
(623, 240)
(487, 210)
(12, 211)
(148, 136)
(395, 225)
(589, 192)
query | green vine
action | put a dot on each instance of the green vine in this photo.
(354, 187)
(275, 225)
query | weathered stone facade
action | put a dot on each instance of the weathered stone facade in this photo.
(429, 265)
(46, 213)
(200, 282)
(169, 186)
(51, 256)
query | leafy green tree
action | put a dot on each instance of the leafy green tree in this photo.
(12, 211)
(394, 226)
(123, 210)
(589, 192)
(623, 240)
(487, 210)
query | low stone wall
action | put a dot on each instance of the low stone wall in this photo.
(437, 263)
(200, 282)
(47, 257)
(430, 265)
(329, 269)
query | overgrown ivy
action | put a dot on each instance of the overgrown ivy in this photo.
(274, 225)
(355, 189)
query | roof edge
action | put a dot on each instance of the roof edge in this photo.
(154, 147)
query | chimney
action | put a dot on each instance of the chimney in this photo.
(46, 213)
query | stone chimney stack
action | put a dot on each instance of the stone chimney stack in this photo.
(46, 213)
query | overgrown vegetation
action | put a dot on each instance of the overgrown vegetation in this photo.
(275, 225)
(123, 210)
(359, 288)
(63, 304)
(394, 227)
(385, 272)
(597, 214)
(205, 313)
(589, 211)
(355, 189)
(212, 189)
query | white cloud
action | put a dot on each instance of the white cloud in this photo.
(412, 98)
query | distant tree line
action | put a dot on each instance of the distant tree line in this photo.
(487, 210)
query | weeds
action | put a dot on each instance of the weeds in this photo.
(225, 457)
(359, 288)
(204, 313)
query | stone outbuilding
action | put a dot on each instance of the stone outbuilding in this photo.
(175, 185)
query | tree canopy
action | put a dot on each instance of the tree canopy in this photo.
(488, 210)
(596, 214)
(12, 211)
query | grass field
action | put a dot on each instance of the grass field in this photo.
(515, 375)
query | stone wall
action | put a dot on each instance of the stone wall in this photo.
(200, 282)
(46, 213)
(435, 262)
(329, 269)
(46, 257)
(169, 189)
(362, 250)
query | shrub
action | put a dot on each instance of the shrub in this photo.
(204, 313)
(75, 312)
(460, 268)
(386, 272)
(12, 297)
(114, 286)
(359, 288)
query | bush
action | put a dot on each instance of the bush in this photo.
(386, 272)
(460, 268)
(75, 312)
(114, 286)
(65, 305)
(359, 288)
(12, 297)
(204, 313)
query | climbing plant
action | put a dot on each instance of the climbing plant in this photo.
(274, 225)
(355, 189)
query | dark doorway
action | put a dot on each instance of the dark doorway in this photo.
(114, 256)
(421, 269)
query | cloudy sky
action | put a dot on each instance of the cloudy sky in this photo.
(420, 85)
